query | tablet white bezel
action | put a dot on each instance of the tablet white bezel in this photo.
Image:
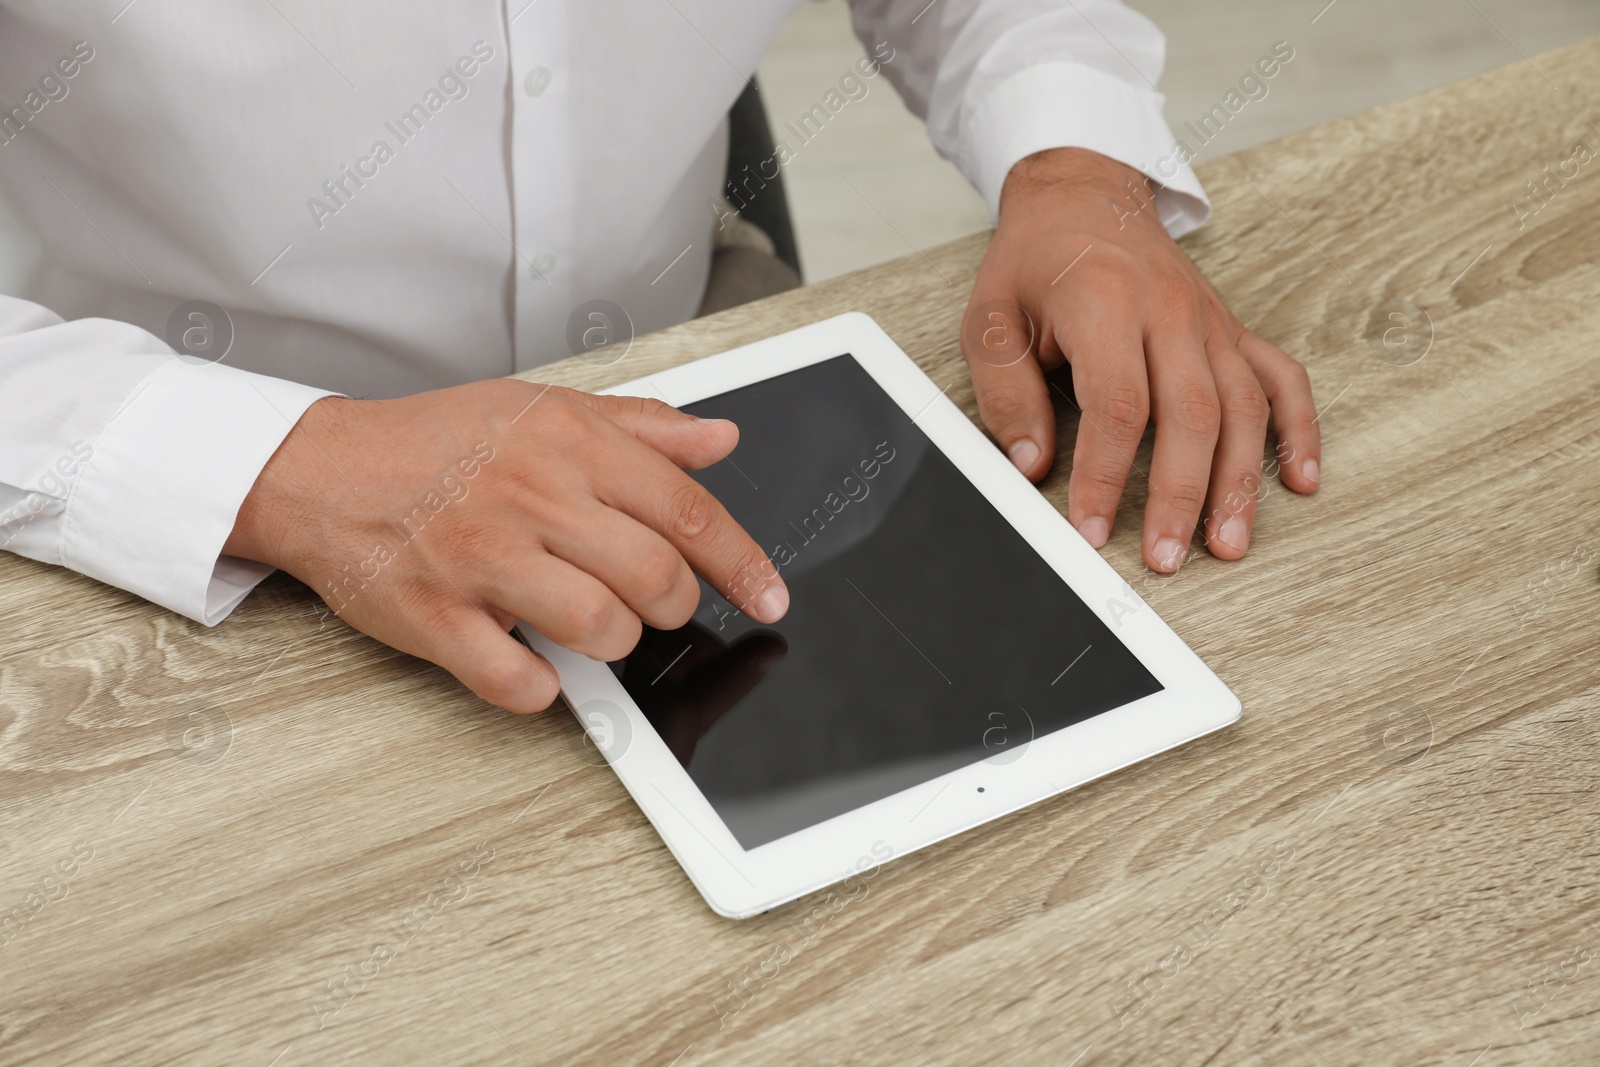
(739, 883)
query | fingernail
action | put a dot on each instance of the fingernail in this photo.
(708, 422)
(1312, 471)
(1235, 533)
(1024, 454)
(773, 603)
(1168, 555)
(1096, 531)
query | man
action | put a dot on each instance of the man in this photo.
(393, 199)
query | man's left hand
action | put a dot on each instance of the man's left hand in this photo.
(1081, 271)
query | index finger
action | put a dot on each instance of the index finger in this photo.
(652, 489)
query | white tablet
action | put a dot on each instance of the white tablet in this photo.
(953, 649)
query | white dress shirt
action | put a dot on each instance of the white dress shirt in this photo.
(379, 198)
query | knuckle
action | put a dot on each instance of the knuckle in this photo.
(1125, 408)
(619, 640)
(657, 572)
(653, 406)
(508, 393)
(1186, 496)
(645, 406)
(674, 615)
(1004, 407)
(1175, 295)
(590, 617)
(503, 680)
(1196, 407)
(689, 511)
(1119, 271)
(1165, 289)
(1221, 333)
(1246, 402)
(433, 609)
(1297, 374)
(556, 416)
(1103, 483)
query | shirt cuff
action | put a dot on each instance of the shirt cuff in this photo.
(1066, 105)
(157, 499)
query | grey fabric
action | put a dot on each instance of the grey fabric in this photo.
(742, 274)
(750, 144)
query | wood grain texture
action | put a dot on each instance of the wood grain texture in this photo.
(1379, 864)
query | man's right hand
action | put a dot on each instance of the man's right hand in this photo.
(434, 522)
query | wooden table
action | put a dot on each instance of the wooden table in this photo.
(1392, 858)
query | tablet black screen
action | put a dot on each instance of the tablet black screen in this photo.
(923, 633)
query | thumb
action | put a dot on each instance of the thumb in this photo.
(689, 442)
(1000, 344)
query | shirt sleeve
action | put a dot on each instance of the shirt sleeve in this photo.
(997, 80)
(127, 463)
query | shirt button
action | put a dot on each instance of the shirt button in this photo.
(543, 265)
(538, 81)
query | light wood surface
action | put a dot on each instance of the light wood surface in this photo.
(1379, 863)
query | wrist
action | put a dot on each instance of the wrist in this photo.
(1057, 170)
(275, 505)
